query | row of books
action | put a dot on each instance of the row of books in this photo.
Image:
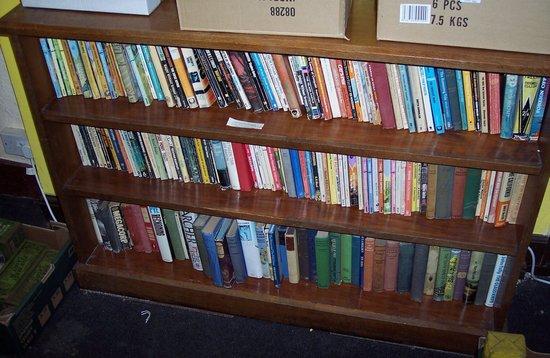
(228, 251)
(370, 184)
(414, 98)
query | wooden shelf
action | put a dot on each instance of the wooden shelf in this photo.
(464, 149)
(162, 27)
(344, 308)
(277, 208)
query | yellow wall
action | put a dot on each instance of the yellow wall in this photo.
(543, 222)
(43, 174)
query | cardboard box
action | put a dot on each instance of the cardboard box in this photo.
(508, 25)
(135, 7)
(10, 238)
(19, 325)
(320, 18)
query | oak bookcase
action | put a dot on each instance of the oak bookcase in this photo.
(390, 316)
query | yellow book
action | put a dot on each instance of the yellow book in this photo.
(88, 70)
(113, 68)
(110, 147)
(469, 99)
(62, 67)
(182, 75)
(202, 161)
(98, 69)
(332, 161)
(70, 65)
(56, 65)
(414, 196)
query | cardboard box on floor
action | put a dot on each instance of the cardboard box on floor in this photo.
(321, 18)
(19, 325)
(508, 25)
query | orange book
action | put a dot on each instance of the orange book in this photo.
(113, 67)
(338, 87)
(72, 70)
(368, 264)
(320, 81)
(344, 87)
(485, 193)
(129, 168)
(281, 65)
(182, 75)
(353, 79)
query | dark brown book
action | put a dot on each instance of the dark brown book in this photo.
(390, 266)
(432, 190)
(303, 253)
(173, 74)
(379, 265)
(459, 185)
(380, 79)
(240, 64)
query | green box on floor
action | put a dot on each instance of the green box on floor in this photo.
(32, 284)
(11, 237)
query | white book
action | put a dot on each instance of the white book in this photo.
(181, 234)
(360, 79)
(395, 168)
(340, 180)
(346, 181)
(149, 150)
(426, 99)
(171, 153)
(418, 103)
(291, 244)
(331, 89)
(270, 82)
(251, 252)
(517, 194)
(483, 108)
(259, 182)
(374, 111)
(80, 145)
(204, 93)
(375, 192)
(496, 280)
(167, 156)
(231, 165)
(400, 96)
(259, 168)
(161, 77)
(160, 233)
(294, 66)
(490, 190)
(92, 207)
(267, 168)
(276, 80)
(392, 80)
(360, 183)
(187, 219)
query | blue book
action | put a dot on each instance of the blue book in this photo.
(209, 233)
(539, 106)
(220, 163)
(51, 69)
(435, 100)
(370, 185)
(103, 59)
(287, 170)
(152, 72)
(461, 99)
(274, 252)
(281, 248)
(295, 162)
(118, 152)
(222, 255)
(311, 250)
(407, 96)
(445, 101)
(310, 175)
(356, 260)
(362, 263)
(236, 252)
(84, 83)
(260, 70)
(509, 103)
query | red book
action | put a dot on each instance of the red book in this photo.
(390, 269)
(251, 164)
(338, 86)
(149, 229)
(344, 86)
(457, 201)
(303, 168)
(243, 169)
(382, 89)
(494, 102)
(136, 227)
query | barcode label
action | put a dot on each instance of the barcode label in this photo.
(415, 13)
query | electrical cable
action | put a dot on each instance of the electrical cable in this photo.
(41, 189)
(532, 273)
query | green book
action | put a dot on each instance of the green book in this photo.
(335, 258)
(157, 156)
(174, 234)
(16, 268)
(345, 257)
(441, 276)
(198, 225)
(451, 275)
(471, 193)
(322, 258)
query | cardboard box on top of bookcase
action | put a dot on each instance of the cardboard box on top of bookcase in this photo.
(508, 25)
(320, 18)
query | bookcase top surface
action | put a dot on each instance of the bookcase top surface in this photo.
(162, 27)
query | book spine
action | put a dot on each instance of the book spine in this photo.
(275, 258)
(539, 108)
(485, 277)
(379, 265)
(435, 100)
(425, 92)
(505, 195)
(520, 182)
(291, 245)
(504, 281)
(205, 259)
(187, 219)
(346, 251)
(441, 277)
(136, 228)
(431, 270)
(390, 269)
(509, 104)
(368, 266)
(496, 280)
(431, 191)
(461, 273)
(160, 233)
(249, 242)
(237, 255)
(407, 97)
(420, 263)
(451, 275)
(226, 265)
(405, 266)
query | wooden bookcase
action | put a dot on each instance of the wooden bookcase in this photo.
(391, 316)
